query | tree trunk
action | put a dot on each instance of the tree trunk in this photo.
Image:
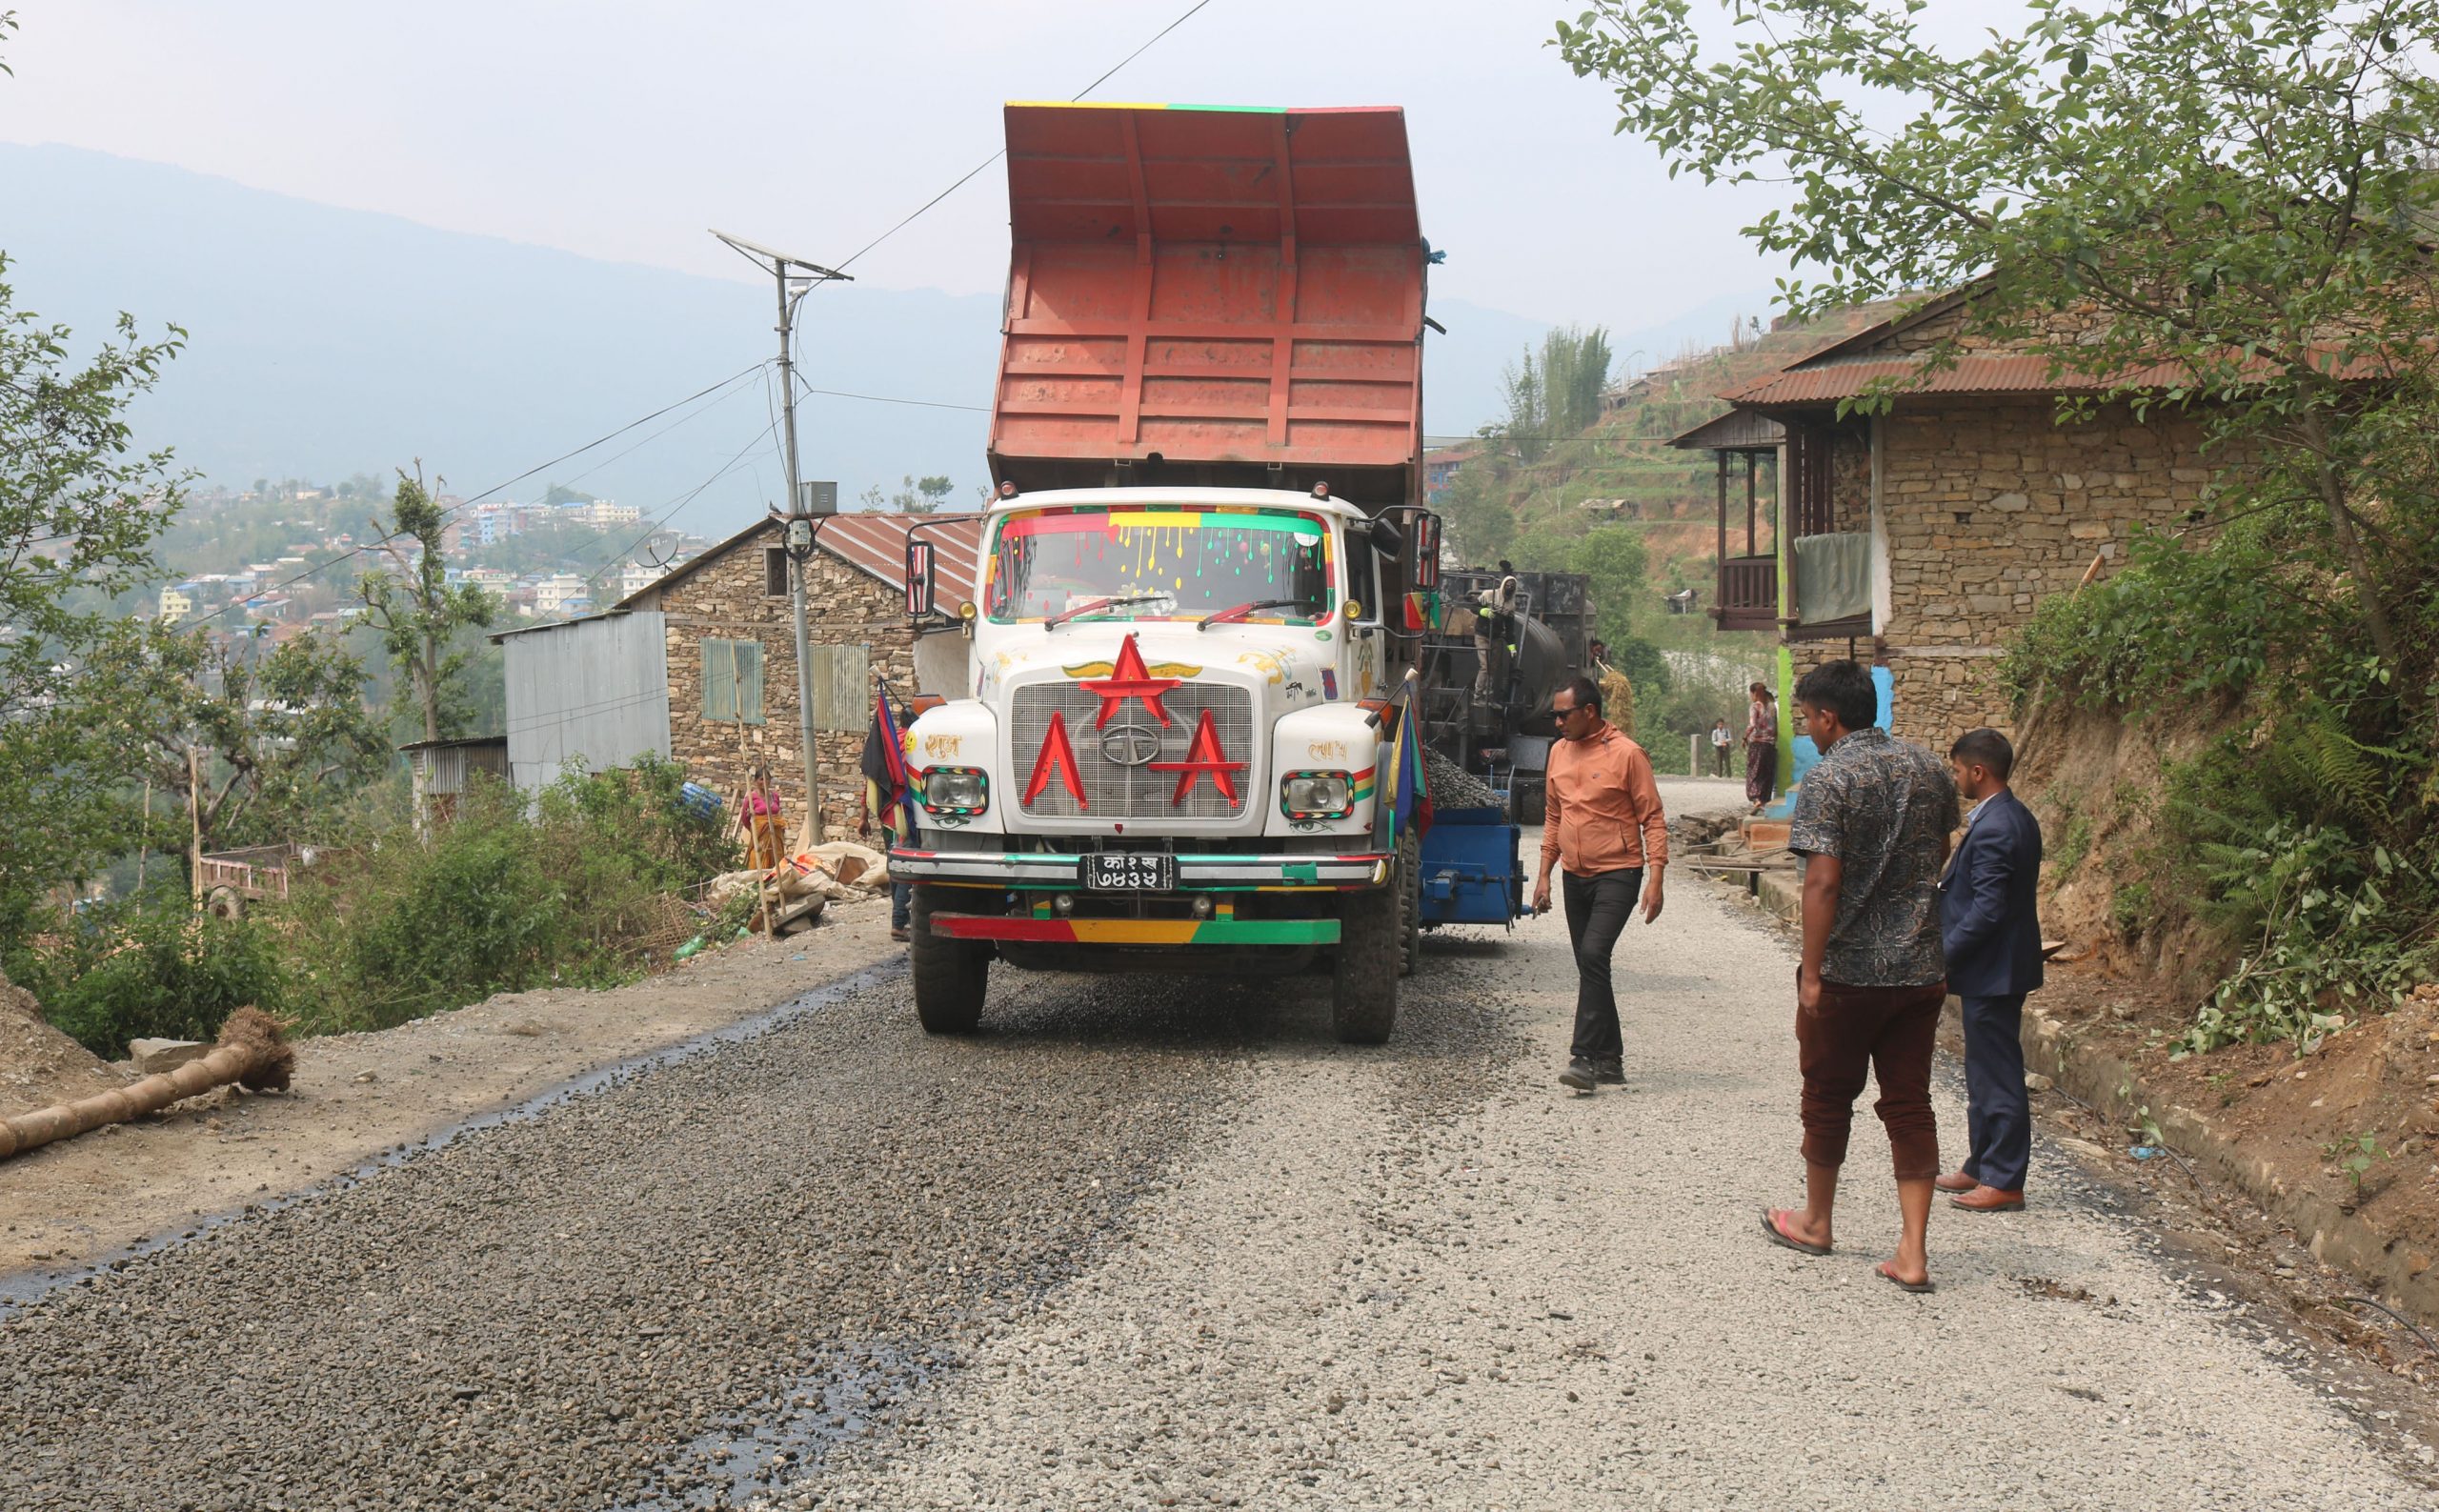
(2349, 539)
(429, 689)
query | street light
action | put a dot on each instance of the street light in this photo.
(796, 278)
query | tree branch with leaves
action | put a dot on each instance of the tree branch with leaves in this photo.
(419, 612)
(2222, 205)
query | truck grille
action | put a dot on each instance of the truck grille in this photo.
(1115, 790)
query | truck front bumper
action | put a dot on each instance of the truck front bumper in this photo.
(1138, 931)
(1031, 870)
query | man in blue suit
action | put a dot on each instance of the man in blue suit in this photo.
(1990, 925)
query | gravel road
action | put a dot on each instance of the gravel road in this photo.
(1164, 1243)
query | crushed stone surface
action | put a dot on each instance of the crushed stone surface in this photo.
(1453, 787)
(1160, 1242)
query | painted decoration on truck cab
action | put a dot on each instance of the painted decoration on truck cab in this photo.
(1128, 680)
(1162, 561)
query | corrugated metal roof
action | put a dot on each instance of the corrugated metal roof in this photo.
(1827, 382)
(877, 544)
(870, 543)
(1818, 382)
(1738, 430)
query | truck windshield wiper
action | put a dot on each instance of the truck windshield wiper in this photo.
(1094, 606)
(1222, 617)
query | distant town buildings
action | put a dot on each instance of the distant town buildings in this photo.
(553, 595)
(311, 585)
(636, 576)
(1441, 466)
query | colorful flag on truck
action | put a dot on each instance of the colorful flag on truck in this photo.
(1408, 794)
(886, 788)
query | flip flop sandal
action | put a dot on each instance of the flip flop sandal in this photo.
(1919, 1288)
(1781, 1236)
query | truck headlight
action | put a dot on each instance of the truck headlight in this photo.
(962, 790)
(1316, 794)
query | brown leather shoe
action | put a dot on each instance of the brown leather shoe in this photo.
(1955, 1181)
(1988, 1200)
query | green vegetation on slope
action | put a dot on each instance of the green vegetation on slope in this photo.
(1564, 486)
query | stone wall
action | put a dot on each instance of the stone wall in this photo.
(723, 599)
(1991, 505)
(1851, 476)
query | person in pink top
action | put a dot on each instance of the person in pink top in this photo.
(758, 815)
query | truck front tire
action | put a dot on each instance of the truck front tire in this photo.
(1364, 988)
(1409, 884)
(950, 975)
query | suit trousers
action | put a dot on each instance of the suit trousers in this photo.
(1597, 910)
(1998, 1113)
(1858, 1032)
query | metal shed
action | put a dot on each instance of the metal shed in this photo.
(442, 769)
(594, 689)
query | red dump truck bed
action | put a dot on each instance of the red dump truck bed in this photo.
(1212, 296)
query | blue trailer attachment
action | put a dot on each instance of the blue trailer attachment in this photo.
(1472, 873)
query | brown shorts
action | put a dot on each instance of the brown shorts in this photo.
(1858, 1032)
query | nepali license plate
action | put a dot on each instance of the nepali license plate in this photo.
(1130, 873)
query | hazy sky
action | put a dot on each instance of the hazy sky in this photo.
(622, 130)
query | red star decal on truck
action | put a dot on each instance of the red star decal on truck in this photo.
(1059, 757)
(1129, 679)
(1201, 757)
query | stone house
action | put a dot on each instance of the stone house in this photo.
(1919, 540)
(700, 664)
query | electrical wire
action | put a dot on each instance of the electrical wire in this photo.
(358, 551)
(684, 419)
(802, 387)
(689, 496)
(974, 171)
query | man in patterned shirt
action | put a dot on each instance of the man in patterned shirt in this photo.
(1872, 822)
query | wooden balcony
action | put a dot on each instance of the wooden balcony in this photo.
(1748, 594)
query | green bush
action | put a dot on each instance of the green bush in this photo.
(500, 900)
(151, 968)
(2172, 623)
(2334, 929)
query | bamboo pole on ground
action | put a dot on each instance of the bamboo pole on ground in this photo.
(250, 1052)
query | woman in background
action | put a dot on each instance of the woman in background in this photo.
(759, 817)
(1761, 748)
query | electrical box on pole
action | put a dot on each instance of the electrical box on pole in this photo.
(816, 498)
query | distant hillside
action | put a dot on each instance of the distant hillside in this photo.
(1622, 472)
(1640, 518)
(324, 342)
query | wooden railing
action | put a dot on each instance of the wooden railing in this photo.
(1748, 594)
(245, 878)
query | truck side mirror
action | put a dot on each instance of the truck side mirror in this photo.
(1426, 551)
(918, 579)
(1386, 538)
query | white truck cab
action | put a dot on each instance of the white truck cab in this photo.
(1192, 638)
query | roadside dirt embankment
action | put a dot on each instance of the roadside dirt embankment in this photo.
(358, 1096)
(2339, 1142)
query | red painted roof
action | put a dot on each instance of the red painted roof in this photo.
(1818, 382)
(877, 544)
(1847, 379)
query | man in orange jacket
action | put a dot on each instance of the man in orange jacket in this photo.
(1604, 823)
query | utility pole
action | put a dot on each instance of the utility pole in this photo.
(796, 278)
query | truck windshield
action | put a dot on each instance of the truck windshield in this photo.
(1162, 562)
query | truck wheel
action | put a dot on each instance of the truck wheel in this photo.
(1364, 988)
(950, 975)
(1409, 883)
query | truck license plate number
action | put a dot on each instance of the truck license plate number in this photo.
(1130, 873)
